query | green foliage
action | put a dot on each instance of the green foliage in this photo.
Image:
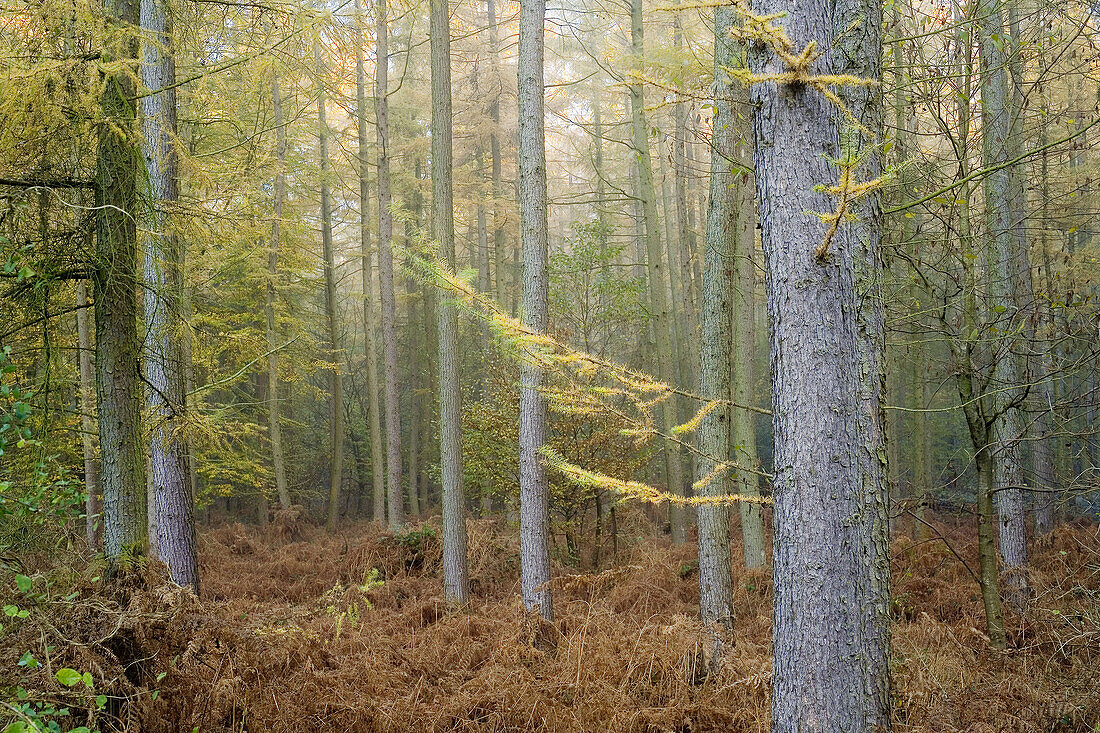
(40, 513)
(592, 300)
(14, 405)
(416, 540)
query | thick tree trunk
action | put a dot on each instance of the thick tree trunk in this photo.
(336, 415)
(831, 566)
(534, 492)
(658, 281)
(374, 422)
(274, 422)
(114, 287)
(455, 582)
(1001, 212)
(169, 467)
(88, 433)
(715, 359)
(385, 271)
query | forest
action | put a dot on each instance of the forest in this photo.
(494, 365)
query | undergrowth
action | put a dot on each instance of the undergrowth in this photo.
(303, 631)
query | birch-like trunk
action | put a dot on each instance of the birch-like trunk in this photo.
(831, 565)
(455, 582)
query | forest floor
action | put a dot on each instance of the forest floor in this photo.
(299, 631)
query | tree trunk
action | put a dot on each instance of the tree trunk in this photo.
(87, 418)
(170, 469)
(455, 582)
(274, 422)
(715, 359)
(494, 154)
(655, 270)
(1001, 211)
(831, 565)
(374, 422)
(965, 352)
(385, 272)
(534, 492)
(743, 330)
(114, 287)
(336, 415)
(684, 232)
(1042, 450)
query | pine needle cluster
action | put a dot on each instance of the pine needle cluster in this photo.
(583, 384)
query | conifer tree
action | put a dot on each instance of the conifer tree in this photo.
(114, 287)
(169, 464)
(813, 150)
(534, 496)
(455, 582)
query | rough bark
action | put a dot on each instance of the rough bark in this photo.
(385, 271)
(114, 288)
(169, 464)
(374, 422)
(831, 567)
(336, 413)
(534, 492)
(657, 277)
(274, 421)
(455, 582)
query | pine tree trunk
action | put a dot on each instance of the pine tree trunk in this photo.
(831, 565)
(1001, 211)
(534, 492)
(658, 281)
(385, 272)
(455, 582)
(93, 521)
(336, 415)
(715, 359)
(169, 467)
(685, 234)
(374, 422)
(274, 422)
(743, 329)
(114, 287)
